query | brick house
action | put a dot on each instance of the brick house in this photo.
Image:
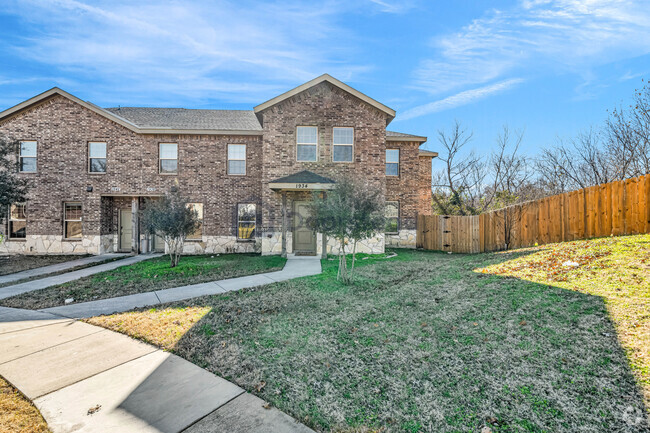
(247, 173)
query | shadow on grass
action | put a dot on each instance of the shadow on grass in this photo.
(421, 342)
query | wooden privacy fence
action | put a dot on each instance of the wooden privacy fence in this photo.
(616, 208)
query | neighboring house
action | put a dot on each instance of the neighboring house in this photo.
(247, 173)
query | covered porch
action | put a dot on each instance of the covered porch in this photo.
(121, 230)
(296, 191)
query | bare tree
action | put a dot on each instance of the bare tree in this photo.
(457, 186)
(579, 162)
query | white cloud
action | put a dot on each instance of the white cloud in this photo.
(459, 99)
(393, 6)
(197, 49)
(537, 35)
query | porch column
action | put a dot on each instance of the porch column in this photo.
(135, 231)
(284, 223)
(324, 238)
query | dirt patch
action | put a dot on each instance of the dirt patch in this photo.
(18, 263)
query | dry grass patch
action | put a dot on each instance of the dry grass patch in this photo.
(161, 327)
(616, 269)
(17, 414)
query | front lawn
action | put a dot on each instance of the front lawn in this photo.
(147, 276)
(20, 262)
(431, 342)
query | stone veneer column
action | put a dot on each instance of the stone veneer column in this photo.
(135, 225)
(284, 223)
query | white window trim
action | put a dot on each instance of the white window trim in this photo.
(228, 159)
(351, 161)
(254, 220)
(20, 156)
(10, 219)
(398, 217)
(160, 158)
(65, 220)
(91, 158)
(197, 239)
(307, 144)
(399, 162)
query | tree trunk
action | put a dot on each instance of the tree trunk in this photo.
(354, 256)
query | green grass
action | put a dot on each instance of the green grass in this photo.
(431, 342)
(147, 276)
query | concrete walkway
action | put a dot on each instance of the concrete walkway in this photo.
(17, 289)
(294, 268)
(64, 266)
(87, 379)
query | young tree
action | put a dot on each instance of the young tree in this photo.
(368, 217)
(349, 212)
(171, 218)
(12, 188)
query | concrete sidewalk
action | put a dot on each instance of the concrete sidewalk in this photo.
(51, 269)
(87, 379)
(295, 267)
(17, 289)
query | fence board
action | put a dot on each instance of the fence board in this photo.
(616, 208)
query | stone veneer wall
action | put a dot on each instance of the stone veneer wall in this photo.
(403, 239)
(52, 244)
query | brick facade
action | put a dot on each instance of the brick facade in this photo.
(63, 128)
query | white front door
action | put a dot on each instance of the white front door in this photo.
(126, 229)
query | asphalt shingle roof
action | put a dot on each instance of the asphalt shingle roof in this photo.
(401, 135)
(183, 118)
(304, 176)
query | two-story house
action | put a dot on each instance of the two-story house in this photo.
(248, 174)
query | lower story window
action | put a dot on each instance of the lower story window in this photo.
(392, 217)
(246, 217)
(198, 208)
(17, 222)
(72, 220)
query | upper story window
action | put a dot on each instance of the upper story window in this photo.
(198, 233)
(72, 225)
(28, 156)
(392, 162)
(96, 157)
(237, 159)
(306, 143)
(342, 144)
(17, 222)
(168, 158)
(246, 220)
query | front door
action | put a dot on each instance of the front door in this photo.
(304, 239)
(126, 229)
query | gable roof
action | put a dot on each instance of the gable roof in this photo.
(390, 113)
(163, 120)
(183, 118)
(400, 136)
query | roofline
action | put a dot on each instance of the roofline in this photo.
(410, 138)
(117, 119)
(427, 154)
(326, 77)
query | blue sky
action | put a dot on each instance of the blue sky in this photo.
(550, 67)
